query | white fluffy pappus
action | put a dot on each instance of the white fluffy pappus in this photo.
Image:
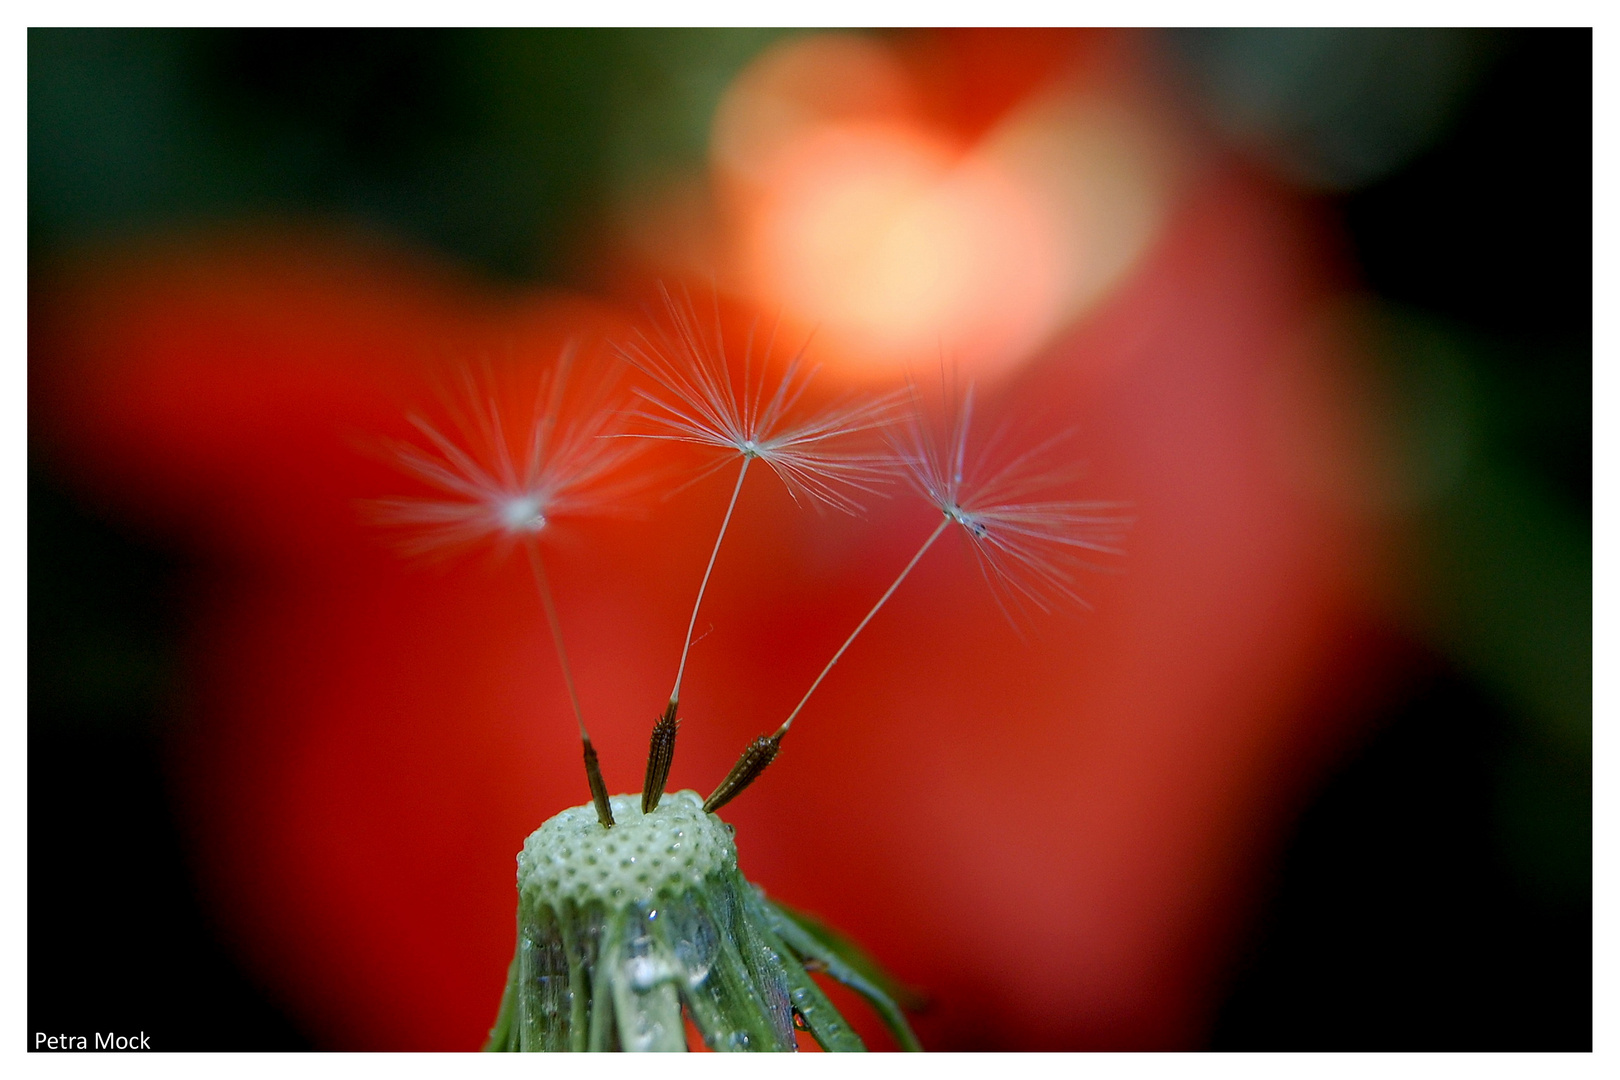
(1026, 546)
(698, 400)
(504, 478)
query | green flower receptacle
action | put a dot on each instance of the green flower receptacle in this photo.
(622, 930)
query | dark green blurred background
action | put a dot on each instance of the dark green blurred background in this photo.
(1437, 891)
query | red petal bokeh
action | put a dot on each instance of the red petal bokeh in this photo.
(1053, 836)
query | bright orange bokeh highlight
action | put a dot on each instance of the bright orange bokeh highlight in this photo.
(904, 248)
(848, 207)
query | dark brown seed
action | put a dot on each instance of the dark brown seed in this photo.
(754, 760)
(599, 795)
(659, 756)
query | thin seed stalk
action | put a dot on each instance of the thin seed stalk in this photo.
(759, 754)
(661, 752)
(884, 599)
(593, 769)
(691, 624)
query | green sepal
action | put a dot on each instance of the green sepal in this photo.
(822, 1017)
(648, 1009)
(578, 997)
(604, 1032)
(847, 963)
(539, 1017)
(735, 981)
(500, 1036)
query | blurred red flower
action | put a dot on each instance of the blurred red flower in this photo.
(1053, 837)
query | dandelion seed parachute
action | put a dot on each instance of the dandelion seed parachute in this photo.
(1027, 547)
(1021, 543)
(504, 482)
(698, 401)
(510, 492)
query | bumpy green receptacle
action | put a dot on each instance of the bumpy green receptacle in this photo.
(619, 928)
